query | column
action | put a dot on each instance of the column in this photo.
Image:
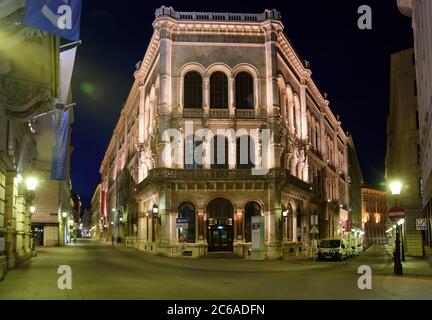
(304, 129)
(271, 71)
(231, 98)
(165, 69)
(10, 219)
(239, 232)
(206, 97)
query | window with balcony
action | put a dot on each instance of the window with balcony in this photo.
(219, 152)
(192, 154)
(192, 90)
(245, 152)
(244, 89)
(218, 91)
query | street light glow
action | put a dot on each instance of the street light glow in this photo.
(64, 214)
(32, 209)
(395, 187)
(31, 183)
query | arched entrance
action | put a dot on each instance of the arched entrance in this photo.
(220, 232)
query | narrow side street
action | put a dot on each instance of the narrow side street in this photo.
(101, 271)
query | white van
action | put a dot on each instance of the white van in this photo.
(334, 249)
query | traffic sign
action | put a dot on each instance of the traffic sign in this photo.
(421, 224)
(314, 229)
(182, 223)
(396, 213)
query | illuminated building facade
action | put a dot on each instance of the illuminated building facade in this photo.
(421, 13)
(403, 159)
(204, 72)
(374, 215)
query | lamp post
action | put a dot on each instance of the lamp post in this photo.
(64, 215)
(155, 211)
(395, 188)
(401, 223)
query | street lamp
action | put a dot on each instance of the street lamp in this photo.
(64, 215)
(32, 209)
(31, 183)
(395, 188)
(155, 211)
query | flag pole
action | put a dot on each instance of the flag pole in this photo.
(43, 114)
(70, 44)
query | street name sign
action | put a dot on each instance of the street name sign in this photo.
(396, 213)
(182, 223)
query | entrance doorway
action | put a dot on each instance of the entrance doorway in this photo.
(220, 231)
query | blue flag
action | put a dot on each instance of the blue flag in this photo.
(60, 147)
(58, 17)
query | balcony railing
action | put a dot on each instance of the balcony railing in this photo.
(222, 174)
(193, 113)
(245, 113)
(219, 113)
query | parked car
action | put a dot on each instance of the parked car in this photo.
(357, 249)
(334, 249)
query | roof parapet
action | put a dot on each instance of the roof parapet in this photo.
(218, 16)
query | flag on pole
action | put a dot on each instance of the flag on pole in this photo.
(60, 147)
(67, 62)
(61, 117)
(58, 17)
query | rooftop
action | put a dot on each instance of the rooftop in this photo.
(218, 16)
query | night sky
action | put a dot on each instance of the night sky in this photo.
(350, 64)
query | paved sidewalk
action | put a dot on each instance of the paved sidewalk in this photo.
(416, 282)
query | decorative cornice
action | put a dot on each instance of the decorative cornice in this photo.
(8, 7)
(22, 99)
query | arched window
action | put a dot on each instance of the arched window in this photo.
(244, 86)
(218, 90)
(192, 90)
(252, 209)
(187, 211)
(219, 152)
(193, 153)
(245, 148)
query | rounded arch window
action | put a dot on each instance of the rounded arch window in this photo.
(192, 88)
(244, 90)
(218, 90)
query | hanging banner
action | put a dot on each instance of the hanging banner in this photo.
(67, 62)
(60, 147)
(58, 17)
(104, 210)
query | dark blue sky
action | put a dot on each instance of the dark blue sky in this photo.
(351, 65)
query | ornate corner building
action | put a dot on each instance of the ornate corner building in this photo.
(224, 83)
